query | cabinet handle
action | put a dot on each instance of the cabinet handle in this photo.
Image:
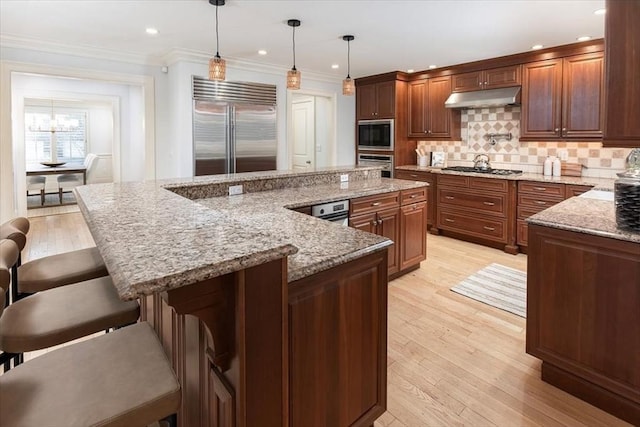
(489, 203)
(564, 129)
(540, 202)
(489, 228)
(540, 188)
(374, 223)
(380, 222)
(556, 130)
(375, 204)
(449, 197)
(413, 196)
(413, 176)
(450, 220)
(429, 131)
(426, 131)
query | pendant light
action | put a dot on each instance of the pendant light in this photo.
(293, 75)
(348, 87)
(217, 65)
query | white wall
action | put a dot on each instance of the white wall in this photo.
(324, 126)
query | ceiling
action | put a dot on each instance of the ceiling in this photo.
(389, 35)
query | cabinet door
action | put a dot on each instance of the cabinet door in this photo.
(386, 100)
(467, 81)
(622, 44)
(413, 234)
(418, 91)
(366, 101)
(365, 222)
(583, 96)
(389, 227)
(439, 116)
(502, 77)
(541, 99)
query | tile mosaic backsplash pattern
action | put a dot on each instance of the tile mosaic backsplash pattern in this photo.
(478, 124)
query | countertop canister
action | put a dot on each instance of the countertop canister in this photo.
(627, 194)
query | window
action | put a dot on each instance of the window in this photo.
(55, 134)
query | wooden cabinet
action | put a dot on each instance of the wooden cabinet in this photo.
(338, 347)
(534, 197)
(622, 44)
(428, 117)
(376, 101)
(563, 98)
(399, 216)
(487, 79)
(481, 209)
(583, 294)
(431, 189)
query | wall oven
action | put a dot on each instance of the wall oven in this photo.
(337, 212)
(375, 135)
(386, 161)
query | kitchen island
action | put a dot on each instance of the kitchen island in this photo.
(583, 303)
(270, 317)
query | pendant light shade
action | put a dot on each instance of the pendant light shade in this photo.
(217, 65)
(348, 86)
(293, 75)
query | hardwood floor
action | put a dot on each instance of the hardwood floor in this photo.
(452, 360)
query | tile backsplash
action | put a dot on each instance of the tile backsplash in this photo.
(508, 152)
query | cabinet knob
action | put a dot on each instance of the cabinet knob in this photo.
(429, 132)
(380, 222)
(426, 131)
(564, 129)
(556, 130)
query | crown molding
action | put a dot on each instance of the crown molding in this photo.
(39, 45)
(184, 55)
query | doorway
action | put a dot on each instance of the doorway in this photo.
(312, 130)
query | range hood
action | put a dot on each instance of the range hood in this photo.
(484, 98)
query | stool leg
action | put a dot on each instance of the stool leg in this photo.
(60, 194)
(42, 197)
(172, 420)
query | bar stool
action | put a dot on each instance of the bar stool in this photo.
(16, 230)
(51, 271)
(63, 314)
(120, 379)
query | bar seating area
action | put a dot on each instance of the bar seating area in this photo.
(121, 378)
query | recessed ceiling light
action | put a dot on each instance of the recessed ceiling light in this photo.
(536, 46)
(262, 52)
(583, 38)
(600, 12)
(410, 70)
(431, 67)
(335, 66)
(151, 31)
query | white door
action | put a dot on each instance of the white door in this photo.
(303, 115)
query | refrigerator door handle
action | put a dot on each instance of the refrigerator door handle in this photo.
(231, 164)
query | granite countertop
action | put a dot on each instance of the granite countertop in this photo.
(154, 240)
(604, 183)
(589, 214)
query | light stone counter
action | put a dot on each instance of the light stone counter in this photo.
(154, 240)
(602, 183)
(584, 215)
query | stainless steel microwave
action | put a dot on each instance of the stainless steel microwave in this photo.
(375, 135)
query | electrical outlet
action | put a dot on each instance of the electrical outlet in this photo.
(344, 177)
(234, 190)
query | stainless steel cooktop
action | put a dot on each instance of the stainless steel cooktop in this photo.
(486, 171)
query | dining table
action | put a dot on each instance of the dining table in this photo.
(33, 169)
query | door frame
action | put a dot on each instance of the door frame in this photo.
(333, 133)
(12, 163)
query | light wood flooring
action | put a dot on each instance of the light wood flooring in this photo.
(451, 360)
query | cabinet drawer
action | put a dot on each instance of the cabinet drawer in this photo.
(525, 212)
(538, 203)
(375, 203)
(413, 196)
(413, 175)
(479, 226)
(572, 190)
(490, 184)
(542, 189)
(454, 180)
(522, 232)
(489, 204)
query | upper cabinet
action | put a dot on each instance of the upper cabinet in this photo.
(563, 98)
(487, 79)
(622, 47)
(376, 101)
(428, 117)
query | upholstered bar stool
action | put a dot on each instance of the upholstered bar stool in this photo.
(16, 230)
(63, 314)
(51, 271)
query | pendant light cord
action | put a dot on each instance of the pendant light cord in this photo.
(217, 38)
(348, 59)
(294, 48)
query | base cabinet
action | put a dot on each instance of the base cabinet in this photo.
(430, 178)
(413, 223)
(583, 299)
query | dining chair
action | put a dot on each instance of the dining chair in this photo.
(69, 181)
(37, 183)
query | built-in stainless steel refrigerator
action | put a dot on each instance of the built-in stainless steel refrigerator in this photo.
(234, 127)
